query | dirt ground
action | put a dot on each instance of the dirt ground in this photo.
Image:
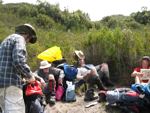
(78, 107)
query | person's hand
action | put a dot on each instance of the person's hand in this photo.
(24, 80)
(134, 74)
(31, 79)
(93, 72)
(139, 74)
(60, 81)
(42, 82)
(51, 77)
(86, 77)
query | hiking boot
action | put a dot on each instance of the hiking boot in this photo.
(91, 98)
(89, 95)
(52, 100)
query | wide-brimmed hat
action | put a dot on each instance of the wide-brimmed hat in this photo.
(79, 54)
(27, 28)
(44, 64)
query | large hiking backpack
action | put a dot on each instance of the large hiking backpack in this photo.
(122, 96)
(141, 88)
(125, 98)
(70, 71)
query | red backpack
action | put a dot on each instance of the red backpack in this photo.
(33, 89)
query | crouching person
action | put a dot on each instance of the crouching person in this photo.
(52, 77)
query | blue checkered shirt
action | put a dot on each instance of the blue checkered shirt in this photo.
(13, 56)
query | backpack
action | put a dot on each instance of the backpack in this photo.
(141, 88)
(59, 92)
(33, 89)
(70, 95)
(122, 96)
(126, 99)
(70, 72)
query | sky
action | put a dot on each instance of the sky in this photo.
(97, 9)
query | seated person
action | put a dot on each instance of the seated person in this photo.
(144, 64)
(89, 75)
(52, 76)
(101, 70)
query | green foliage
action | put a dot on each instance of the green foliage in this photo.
(118, 40)
(119, 48)
(44, 21)
(142, 17)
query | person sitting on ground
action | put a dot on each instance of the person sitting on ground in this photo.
(144, 64)
(102, 70)
(52, 76)
(89, 76)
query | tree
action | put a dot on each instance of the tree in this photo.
(142, 17)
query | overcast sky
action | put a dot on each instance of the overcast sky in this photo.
(97, 9)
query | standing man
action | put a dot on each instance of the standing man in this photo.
(13, 67)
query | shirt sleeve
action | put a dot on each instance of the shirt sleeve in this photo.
(57, 72)
(19, 56)
(137, 69)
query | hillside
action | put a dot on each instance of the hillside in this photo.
(118, 40)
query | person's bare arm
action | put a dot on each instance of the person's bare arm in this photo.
(135, 73)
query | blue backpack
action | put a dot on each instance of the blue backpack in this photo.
(141, 88)
(70, 72)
